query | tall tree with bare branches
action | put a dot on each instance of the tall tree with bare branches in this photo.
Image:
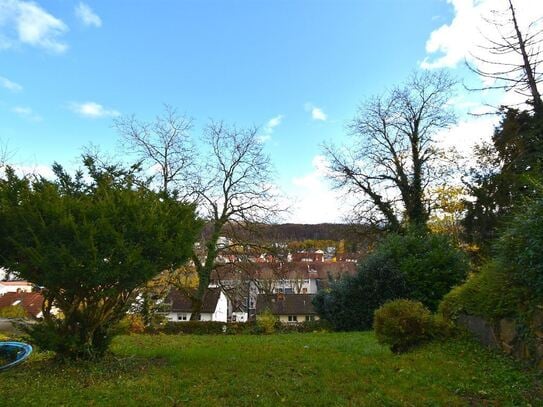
(164, 145)
(394, 158)
(234, 189)
(229, 176)
(513, 60)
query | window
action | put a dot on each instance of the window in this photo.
(181, 317)
(309, 318)
(293, 318)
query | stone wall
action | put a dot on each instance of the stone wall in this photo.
(507, 336)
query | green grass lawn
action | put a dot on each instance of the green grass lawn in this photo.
(321, 369)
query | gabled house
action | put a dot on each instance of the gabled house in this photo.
(215, 306)
(288, 308)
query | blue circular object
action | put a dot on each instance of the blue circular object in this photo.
(14, 352)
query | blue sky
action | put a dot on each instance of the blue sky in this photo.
(297, 68)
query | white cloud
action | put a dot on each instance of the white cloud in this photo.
(27, 23)
(26, 113)
(87, 16)
(316, 112)
(315, 201)
(274, 122)
(451, 43)
(92, 110)
(467, 133)
(10, 85)
(270, 127)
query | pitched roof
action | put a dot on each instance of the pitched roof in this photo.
(286, 304)
(31, 302)
(181, 303)
(277, 270)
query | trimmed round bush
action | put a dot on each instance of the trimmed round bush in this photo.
(403, 324)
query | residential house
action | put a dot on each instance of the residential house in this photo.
(215, 306)
(288, 308)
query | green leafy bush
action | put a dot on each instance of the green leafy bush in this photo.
(430, 262)
(13, 311)
(92, 240)
(320, 325)
(266, 321)
(349, 304)
(403, 324)
(131, 324)
(490, 293)
(519, 249)
(416, 265)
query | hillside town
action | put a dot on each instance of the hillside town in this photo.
(241, 287)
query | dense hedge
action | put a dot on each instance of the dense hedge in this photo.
(235, 328)
(511, 283)
(489, 293)
(519, 249)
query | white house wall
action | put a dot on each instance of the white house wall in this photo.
(221, 311)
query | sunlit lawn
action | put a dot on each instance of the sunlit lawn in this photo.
(319, 369)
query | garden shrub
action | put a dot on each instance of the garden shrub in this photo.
(131, 324)
(430, 262)
(416, 265)
(403, 324)
(519, 248)
(349, 304)
(13, 311)
(320, 325)
(510, 285)
(266, 321)
(92, 239)
(489, 293)
(194, 327)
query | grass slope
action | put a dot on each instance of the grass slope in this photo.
(292, 369)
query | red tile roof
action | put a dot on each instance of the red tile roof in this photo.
(31, 302)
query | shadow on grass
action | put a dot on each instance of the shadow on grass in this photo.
(86, 373)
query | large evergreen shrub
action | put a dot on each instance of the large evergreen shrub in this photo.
(349, 304)
(416, 265)
(91, 242)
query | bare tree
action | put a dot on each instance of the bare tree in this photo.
(164, 145)
(230, 179)
(394, 157)
(512, 60)
(234, 189)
